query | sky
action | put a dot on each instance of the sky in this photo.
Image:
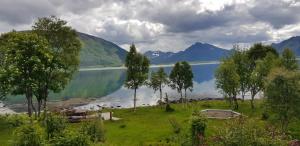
(165, 25)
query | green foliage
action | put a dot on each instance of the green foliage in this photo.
(94, 129)
(25, 55)
(181, 77)
(64, 46)
(283, 95)
(71, 138)
(169, 108)
(243, 132)
(54, 125)
(137, 70)
(198, 126)
(17, 120)
(158, 80)
(260, 51)
(288, 59)
(28, 135)
(228, 80)
(175, 125)
(242, 63)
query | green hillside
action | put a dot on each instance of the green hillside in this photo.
(99, 52)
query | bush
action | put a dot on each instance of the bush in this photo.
(265, 116)
(198, 126)
(54, 125)
(94, 129)
(247, 133)
(71, 138)
(17, 120)
(28, 135)
(175, 125)
(169, 108)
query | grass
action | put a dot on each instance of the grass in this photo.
(151, 124)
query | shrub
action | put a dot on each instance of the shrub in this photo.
(175, 125)
(94, 129)
(265, 116)
(123, 126)
(247, 133)
(54, 125)
(71, 138)
(17, 120)
(169, 108)
(28, 135)
(198, 126)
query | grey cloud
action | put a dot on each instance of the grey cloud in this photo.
(277, 13)
(22, 12)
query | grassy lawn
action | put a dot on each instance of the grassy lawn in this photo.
(151, 124)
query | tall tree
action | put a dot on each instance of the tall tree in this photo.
(181, 78)
(158, 80)
(255, 54)
(260, 73)
(242, 62)
(228, 80)
(283, 95)
(177, 79)
(26, 54)
(288, 59)
(137, 71)
(65, 47)
(187, 77)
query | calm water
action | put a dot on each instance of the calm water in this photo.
(106, 86)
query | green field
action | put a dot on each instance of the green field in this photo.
(151, 124)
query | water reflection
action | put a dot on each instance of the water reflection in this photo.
(106, 86)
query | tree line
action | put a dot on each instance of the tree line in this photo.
(261, 69)
(180, 78)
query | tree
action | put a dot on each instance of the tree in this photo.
(283, 95)
(255, 54)
(158, 80)
(65, 47)
(187, 78)
(177, 79)
(260, 73)
(242, 62)
(288, 59)
(260, 51)
(228, 80)
(25, 55)
(137, 71)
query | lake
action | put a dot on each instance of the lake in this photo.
(105, 87)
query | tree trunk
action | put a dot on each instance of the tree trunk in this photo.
(181, 98)
(33, 107)
(39, 106)
(29, 106)
(160, 93)
(243, 96)
(134, 100)
(185, 96)
(236, 104)
(45, 102)
(252, 99)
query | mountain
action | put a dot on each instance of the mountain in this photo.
(292, 43)
(99, 52)
(196, 52)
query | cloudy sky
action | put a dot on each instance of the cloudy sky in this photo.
(167, 25)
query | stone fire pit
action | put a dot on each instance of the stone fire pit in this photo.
(220, 114)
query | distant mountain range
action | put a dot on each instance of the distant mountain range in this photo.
(293, 43)
(99, 52)
(196, 52)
